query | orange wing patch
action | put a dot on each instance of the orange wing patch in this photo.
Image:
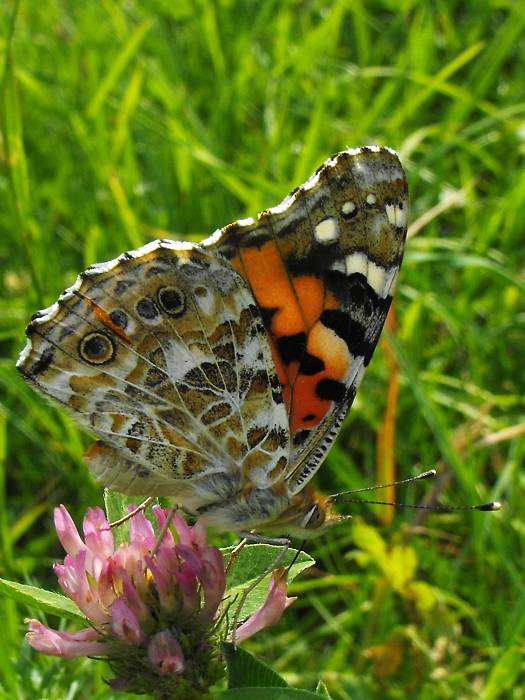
(104, 317)
(305, 352)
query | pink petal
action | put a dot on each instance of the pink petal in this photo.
(194, 537)
(74, 582)
(213, 580)
(67, 644)
(191, 557)
(167, 559)
(188, 586)
(97, 533)
(133, 599)
(163, 583)
(141, 532)
(125, 623)
(198, 534)
(122, 556)
(67, 531)
(131, 559)
(109, 572)
(161, 515)
(271, 610)
(207, 564)
(182, 528)
(165, 653)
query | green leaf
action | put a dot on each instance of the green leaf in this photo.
(322, 690)
(14, 156)
(251, 562)
(118, 65)
(503, 674)
(47, 601)
(266, 694)
(11, 124)
(116, 505)
(246, 670)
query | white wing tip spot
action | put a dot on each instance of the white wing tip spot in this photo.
(396, 214)
(314, 179)
(212, 238)
(354, 151)
(282, 206)
(24, 355)
(327, 231)
(245, 222)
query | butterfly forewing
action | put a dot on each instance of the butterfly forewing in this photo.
(322, 266)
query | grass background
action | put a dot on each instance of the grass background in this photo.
(122, 122)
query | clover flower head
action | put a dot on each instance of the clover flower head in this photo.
(154, 608)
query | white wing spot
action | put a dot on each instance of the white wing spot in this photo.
(356, 262)
(401, 215)
(390, 211)
(371, 199)
(339, 266)
(327, 231)
(348, 208)
(376, 278)
(204, 300)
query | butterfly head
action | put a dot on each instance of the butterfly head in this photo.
(308, 515)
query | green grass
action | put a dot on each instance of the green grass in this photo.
(122, 122)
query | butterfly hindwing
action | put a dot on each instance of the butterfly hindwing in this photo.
(162, 353)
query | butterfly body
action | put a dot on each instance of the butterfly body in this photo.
(219, 374)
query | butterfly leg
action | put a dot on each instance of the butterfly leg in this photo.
(235, 553)
(163, 530)
(138, 509)
(261, 539)
(284, 543)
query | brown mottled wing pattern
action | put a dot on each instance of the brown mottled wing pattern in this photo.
(162, 353)
(322, 266)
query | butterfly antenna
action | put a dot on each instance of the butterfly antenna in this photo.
(493, 505)
(296, 555)
(429, 474)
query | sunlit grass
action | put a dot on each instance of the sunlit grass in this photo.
(126, 122)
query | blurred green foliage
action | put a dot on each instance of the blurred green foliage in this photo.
(123, 122)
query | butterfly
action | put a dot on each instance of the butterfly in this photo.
(219, 373)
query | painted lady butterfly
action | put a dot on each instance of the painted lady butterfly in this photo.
(219, 374)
